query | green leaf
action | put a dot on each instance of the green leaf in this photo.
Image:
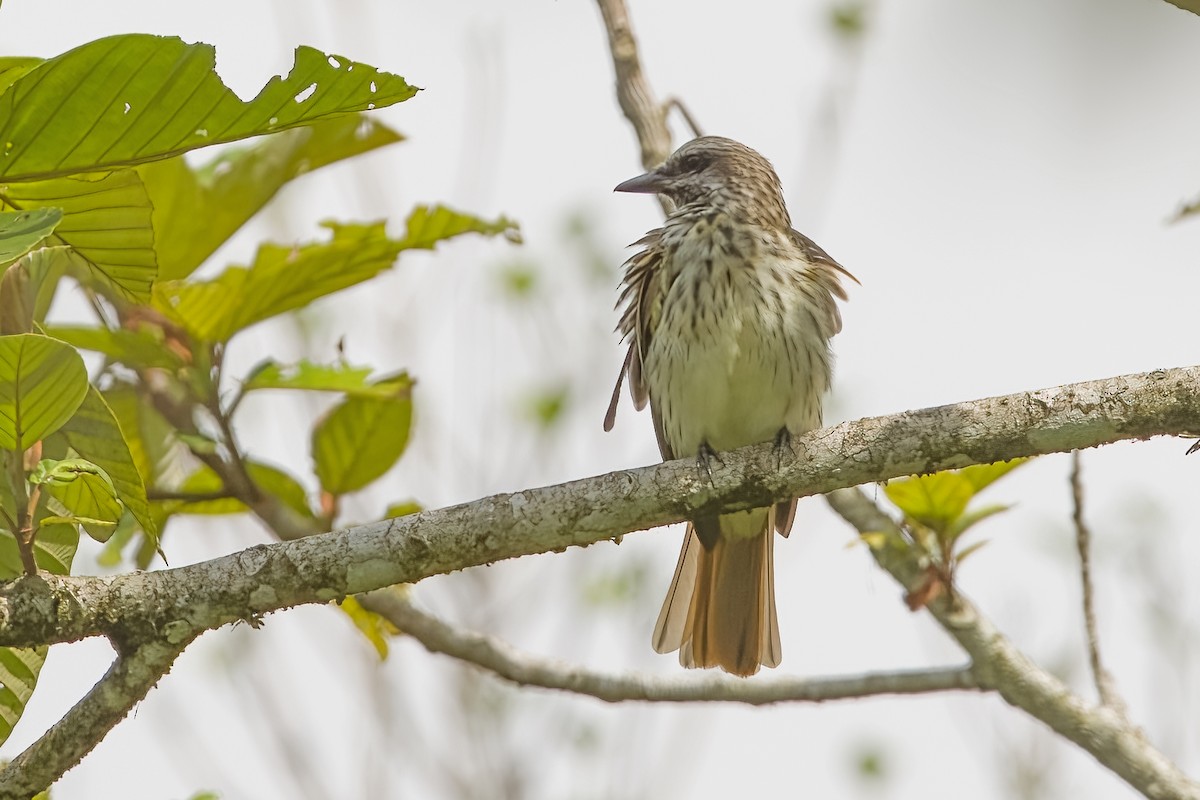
(197, 210)
(428, 225)
(403, 509)
(933, 500)
(42, 383)
(344, 378)
(374, 626)
(20, 231)
(85, 490)
(19, 670)
(13, 67)
(135, 98)
(106, 222)
(28, 288)
(280, 279)
(982, 475)
(143, 347)
(961, 525)
(94, 433)
(970, 550)
(269, 479)
(362, 437)
(283, 279)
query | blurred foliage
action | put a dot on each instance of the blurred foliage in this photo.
(936, 514)
(95, 190)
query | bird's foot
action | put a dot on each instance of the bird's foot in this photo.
(704, 458)
(783, 442)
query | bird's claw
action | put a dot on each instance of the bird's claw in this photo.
(783, 441)
(704, 458)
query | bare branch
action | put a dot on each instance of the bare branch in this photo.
(138, 607)
(1104, 682)
(499, 658)
(999, 665)
(674, 103)
(86, 724)
(648, 116)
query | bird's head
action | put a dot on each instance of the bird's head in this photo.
(720, 173)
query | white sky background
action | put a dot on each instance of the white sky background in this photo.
(999, 179)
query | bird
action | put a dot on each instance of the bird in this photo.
(728, 312)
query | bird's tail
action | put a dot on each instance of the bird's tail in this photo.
(720, 609)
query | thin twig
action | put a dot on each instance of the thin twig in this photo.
(1104, 681)
(999, 665)
(190, 497)
(499, 658)
(678, 105)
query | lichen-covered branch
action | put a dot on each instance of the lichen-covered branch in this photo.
(182, 602)
(999, 665)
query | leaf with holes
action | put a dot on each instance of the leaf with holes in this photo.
(42, 383)
(198, 209)
(20, 231)
(362, 437)
(134, 98)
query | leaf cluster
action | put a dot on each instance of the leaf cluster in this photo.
(95, 191)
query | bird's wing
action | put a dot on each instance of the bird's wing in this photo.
(641, 296)
(818, 257)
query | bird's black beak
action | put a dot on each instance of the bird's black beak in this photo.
(652, 182)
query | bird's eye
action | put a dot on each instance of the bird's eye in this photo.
(692, 163)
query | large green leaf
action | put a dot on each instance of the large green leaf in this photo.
(267, 478)
(106, 222)
(20, 231)
(196, 210)
(134, 98)
(362, 437)
(306, 375)
(13, 67)
(94, 433)
(283, 279)
(42, 383)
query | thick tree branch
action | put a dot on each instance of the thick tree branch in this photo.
(999, 665)
(499, 658)
(141, 607)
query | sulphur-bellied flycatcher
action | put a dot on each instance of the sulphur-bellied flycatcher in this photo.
(728, 313)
